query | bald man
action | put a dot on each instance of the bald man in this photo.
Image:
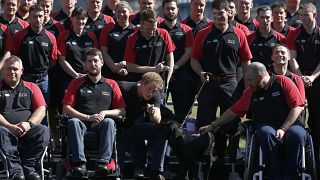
(276, 104)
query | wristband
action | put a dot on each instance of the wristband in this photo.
(284, 129)
(31, 124)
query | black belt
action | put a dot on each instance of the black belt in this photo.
(38, 76)
(222, 78)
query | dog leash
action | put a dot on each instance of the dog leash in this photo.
(195, 98)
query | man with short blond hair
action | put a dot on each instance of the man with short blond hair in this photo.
(143, 101)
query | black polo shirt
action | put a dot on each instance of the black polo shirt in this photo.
(16, 25)
(252, 24)
(19, 103)
(307, 47)
(62, 18)
(148, 52)
(55, 27)
(270, 105)
(261, 48)
(182, 37)
(5, 40)
(194, 26)
(240, 26)
(286, 29)
(293, 20)
(107, 11)
(98, 24)
(114, 37)
(219, 52)
(136, 105)
(90, 98)
(135, 19)
(35, 50)
(74, 47)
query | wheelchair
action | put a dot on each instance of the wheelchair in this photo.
(91, 144)
(6, 168)
(254, 163)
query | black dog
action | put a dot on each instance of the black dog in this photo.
(188, 148)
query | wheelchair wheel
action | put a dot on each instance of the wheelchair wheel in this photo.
(310, 158)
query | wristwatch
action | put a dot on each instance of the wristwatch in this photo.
(31, 124)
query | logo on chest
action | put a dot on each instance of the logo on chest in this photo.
(105, 93)
(45, 44)
(274, 94)
(23, 94)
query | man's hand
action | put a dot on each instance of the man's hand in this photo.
(160, 67)
(280, 134)
(307, 80)
(116, 67)
(150, 109)
(123, 72)
(96, 118)
(15, 130)
(205, 76)
(25, 126)
(210, 127)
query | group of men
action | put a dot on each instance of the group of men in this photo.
(157, 55)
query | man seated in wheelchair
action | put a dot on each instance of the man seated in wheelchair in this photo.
(89, 102)
(276, 105)
(23, 138)
(143, 101)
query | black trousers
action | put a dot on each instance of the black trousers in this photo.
(24, 153)
(182, 89)
(217, 94)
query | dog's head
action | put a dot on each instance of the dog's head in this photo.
(172, 129)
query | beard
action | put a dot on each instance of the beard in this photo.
(170, 18)
(24, 8)
(94, 73)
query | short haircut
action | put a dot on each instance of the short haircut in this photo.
(280, 45)
(11, 60)
(36, 8)
(279, 4)
(234, 1)
(309, 7)
(79, 11)
(263, 8)
(220, 4)
(3, 1)
(123, 4)
(93, 52)
(45, 1)
(148, 15)
(154, 78)
(168, 1)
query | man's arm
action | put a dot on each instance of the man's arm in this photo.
(67, 67)
(293, 64)
(225, 118)
(114, 112)
(72, 113)
(4, 57)
(135, 68)
(244, 65)
(37, 115)
(291, 118)
(14, 129)
(170, 64)
(184, 58)
(115, 67)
